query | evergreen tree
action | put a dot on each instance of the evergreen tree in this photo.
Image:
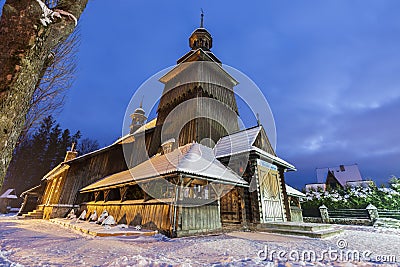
(40, 152)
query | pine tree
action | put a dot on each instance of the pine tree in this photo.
(40, 152)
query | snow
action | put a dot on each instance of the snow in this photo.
(42, 243)
(5, 262)
(9, 215)
(48, 14)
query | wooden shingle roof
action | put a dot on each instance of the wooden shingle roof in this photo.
(244, 142)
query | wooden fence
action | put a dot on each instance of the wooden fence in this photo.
(394, 214)
(349, 213)
(365, 216)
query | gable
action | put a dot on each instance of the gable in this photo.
(341, 174)
(262, 142)
(332, 181)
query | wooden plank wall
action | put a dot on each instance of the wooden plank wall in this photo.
(89, 170)
(199, 219)
(148, 215)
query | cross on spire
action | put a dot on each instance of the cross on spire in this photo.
(141, 102)
(202, 19)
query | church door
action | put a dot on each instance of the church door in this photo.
(271, 195)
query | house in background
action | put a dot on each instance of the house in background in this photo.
(338, 177)
(7, 201)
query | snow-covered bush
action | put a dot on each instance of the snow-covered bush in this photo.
(356, 197)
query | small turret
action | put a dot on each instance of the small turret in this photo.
(200, 38)
(138, 118)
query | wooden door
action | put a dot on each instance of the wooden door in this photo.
(230, 207)
(271, 195)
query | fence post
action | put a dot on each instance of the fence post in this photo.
(373, 212)
(323, 210)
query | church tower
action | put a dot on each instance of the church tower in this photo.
(198, 102)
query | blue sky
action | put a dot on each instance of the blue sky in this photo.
(329, 70)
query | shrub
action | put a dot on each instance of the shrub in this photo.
(356, 197)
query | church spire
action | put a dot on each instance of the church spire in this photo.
(201, 38)
(141, 103)
(200, 42)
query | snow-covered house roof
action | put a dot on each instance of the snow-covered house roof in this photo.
(343, 174)
(9, 194)
(192, 159)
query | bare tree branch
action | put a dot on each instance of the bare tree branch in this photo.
(49, 95)
(26, 46)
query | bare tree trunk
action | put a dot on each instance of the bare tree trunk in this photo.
(25, 45)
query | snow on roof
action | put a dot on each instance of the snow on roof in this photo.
(35, 190)
(8, 194)
(149, 125)
(238, 142)
(197, 71)
(243, 141)
(342, 173)
(194, 159)
(293, 192)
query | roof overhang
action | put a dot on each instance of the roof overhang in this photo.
(56, 171)
(294, 192)
(184, 65)
(98, 187)
(271, 158)
(33, 191)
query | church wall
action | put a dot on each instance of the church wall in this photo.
(153, 214)
(251, 214)
(158, 215)
(252, 198)
(200, 219)
(51, 197)
(254, 206)
(137, 152)
(194, 116)
(81, 173)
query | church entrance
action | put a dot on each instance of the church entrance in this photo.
(271, 193)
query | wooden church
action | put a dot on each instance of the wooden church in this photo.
(190, 170)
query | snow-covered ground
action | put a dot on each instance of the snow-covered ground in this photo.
(42, 243)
